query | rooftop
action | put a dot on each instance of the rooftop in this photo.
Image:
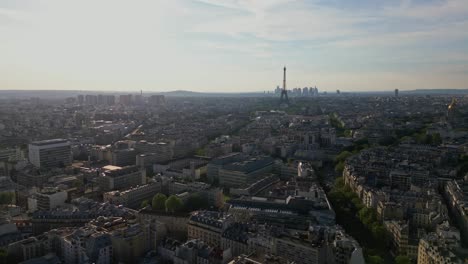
(210, 218)
(48, 142)
(251, 164)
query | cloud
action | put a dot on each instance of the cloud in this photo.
(303, 20)
(429, 10)
(157, 42)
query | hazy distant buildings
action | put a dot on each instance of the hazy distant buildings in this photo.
(157, 100)
(299, 92)
(80, 99)
(91, 99)
(125, 99)
(106, 100)
(50, 153)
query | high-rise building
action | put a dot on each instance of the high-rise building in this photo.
(80, 99)
(100, 99)
(91, 99)
(396, 92)
(109, 100)
(277, 90)
(125, 99)
(157, 100)
(138, 99)
(50, 153)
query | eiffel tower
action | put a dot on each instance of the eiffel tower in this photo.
(284, 93)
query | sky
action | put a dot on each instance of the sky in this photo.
(233, 45)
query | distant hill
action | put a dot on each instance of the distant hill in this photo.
(437, 91)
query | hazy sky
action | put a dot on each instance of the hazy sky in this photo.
(233, 45)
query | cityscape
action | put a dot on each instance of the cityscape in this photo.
(297, 176)
(234, 132)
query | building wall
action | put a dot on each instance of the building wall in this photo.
(237, 248)
(133, 197)
(232, 178)
(297, 252)
(209, 235)
(50, 155)
(175, 225)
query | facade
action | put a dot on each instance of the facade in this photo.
(441, 247)
(299, 251)
(244, 172)
(28, 248)
(456, 193)
(131, 242)
(216, 164)
(235, 238)
(121, 178)
(175, 224)
(47, 199)
(50, 153)
(402, 244)
(160, 151)
(133, 197)
(123, 157)
(208, 226)
(86, 245)
(213, 195)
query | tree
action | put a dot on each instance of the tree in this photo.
(159, 201)
(367, 217)
(196, 202)
(436, 139)
(387, 141)
(343, 156)
(174, 204)
(374, 260)
(357, 203)
(339, 167)
(339, 182)
(362, 142)
(200, 152)
(402, 260)
(78, 184)
(144, 204)
(6, 197)
(348, 133)
(378, 231)
(7, 258)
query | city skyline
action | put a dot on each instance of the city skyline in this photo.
(233, 46)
